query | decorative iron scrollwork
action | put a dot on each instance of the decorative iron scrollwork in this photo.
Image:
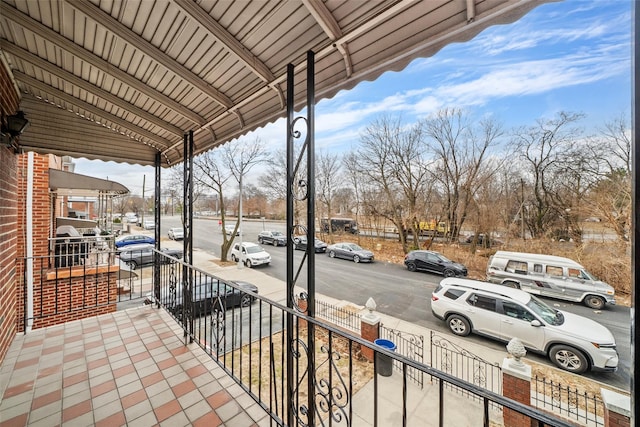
(330, 397)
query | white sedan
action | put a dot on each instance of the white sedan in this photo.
(176, 233)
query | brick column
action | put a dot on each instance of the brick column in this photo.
(370, 331)
(516, 385)
(617, 409)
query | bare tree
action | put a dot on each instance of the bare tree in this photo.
(392, 158)
(175, 189)
(545, 149)
(240, 157)
(210, 171)
(611, 199)
(327, 181)
(463, 159)
(274, 180)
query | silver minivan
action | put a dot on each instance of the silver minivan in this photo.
(549, 276)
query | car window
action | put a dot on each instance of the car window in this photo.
(554, 271)
(548, 314)
(454, 293)
(482, 301)
(519, 267)
(514, 310)
(575, 273)
(253, 249)
(537, 268)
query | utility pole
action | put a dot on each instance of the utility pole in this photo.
(522, 206)
(144, 177)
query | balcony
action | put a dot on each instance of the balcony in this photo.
(217, 361)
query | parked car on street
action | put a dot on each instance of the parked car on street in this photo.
(135, 256)
(134, 239)
(549, 276)
(176, 233)
(350, 251)
(228, 229)
(483, 240)
(131, 218)
(300, 243)
(250, 254)
(433, 262)
(573, 343)
(149, 224)
(209, 295)
(274, 238)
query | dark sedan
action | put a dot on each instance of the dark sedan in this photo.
(300, 243)
(134, 239)
(350, 251)
(210, 295)
(433, 262)
(137, 255)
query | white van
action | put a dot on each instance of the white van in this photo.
(549, 276)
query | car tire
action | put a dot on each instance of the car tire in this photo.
(568, 359)
(356, 259)
(132, 265)
(245, 301)
(247, 263)
(595, 302)
(449, 273)
(412, 267)
(233, 258)
(332, 254)
(459, 325)
(510, 284)
(260, 240)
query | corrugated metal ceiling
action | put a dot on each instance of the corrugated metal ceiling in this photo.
(122, 79)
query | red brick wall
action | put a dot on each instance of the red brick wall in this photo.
(8, 221)
(520, 391)
(77, 297)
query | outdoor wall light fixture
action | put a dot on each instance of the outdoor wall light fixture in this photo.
(13, 126)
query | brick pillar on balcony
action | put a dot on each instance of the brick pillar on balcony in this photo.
(617, 409)
(516, 385)
(370, 331)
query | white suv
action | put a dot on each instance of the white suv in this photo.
(572, 342)
(250, 254)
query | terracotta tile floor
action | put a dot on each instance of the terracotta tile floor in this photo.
(126, 368)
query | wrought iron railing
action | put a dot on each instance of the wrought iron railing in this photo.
(247, 335)
(340, 316)
(577, 405)
(410, 346)
(81, 250)
(332, 383)
(459, 362)
(78, 282)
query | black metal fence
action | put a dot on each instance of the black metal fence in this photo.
(408, 345)
(340, 316)
(577, 405)
(449, 357)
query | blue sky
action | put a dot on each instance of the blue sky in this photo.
(567, 56)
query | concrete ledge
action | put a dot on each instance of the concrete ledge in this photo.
(616, 402)
(79, 271)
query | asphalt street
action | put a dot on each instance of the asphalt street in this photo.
(398, 292)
